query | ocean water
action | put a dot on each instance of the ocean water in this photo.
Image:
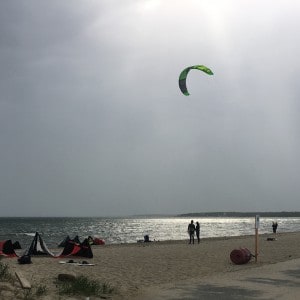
(130, 230)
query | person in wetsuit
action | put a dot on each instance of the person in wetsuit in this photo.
(191, 231)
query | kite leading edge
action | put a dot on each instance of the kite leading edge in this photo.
(184, 73)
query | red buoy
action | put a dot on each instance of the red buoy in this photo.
(98, 241)
(240, 256)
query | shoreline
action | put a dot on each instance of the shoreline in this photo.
(116, 231)
(185, 241)
(135, 267)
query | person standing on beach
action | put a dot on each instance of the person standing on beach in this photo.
(274, 225)
(191, 231)
(198, 231)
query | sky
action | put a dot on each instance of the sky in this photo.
(92, 121)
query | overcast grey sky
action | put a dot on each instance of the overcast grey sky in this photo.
(92, 122)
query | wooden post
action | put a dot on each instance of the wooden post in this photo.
(256, 236)
(256, 244)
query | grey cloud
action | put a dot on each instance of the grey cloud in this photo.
(90, 110)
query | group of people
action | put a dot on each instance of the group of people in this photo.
(192, 229)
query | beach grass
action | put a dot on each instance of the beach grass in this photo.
(41, 290)
(4, 272)
(34, 293)
(29, 294)
(82, 285)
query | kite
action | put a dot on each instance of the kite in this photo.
(184, 73)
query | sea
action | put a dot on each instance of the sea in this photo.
(132, 229)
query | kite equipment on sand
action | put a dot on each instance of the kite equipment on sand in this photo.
(83, 263)
(39, 248)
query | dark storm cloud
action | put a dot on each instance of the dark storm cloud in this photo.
(92, 121)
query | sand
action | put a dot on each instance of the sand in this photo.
(280, 281)
(136, 270)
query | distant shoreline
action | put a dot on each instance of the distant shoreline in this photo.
(282, 214)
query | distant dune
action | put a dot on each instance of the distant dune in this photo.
(283, 214)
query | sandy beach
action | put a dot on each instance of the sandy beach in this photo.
(136, 270)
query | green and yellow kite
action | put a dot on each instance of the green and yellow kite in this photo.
(184, 73)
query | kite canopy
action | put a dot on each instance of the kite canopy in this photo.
(7, 249)
(184, 73)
